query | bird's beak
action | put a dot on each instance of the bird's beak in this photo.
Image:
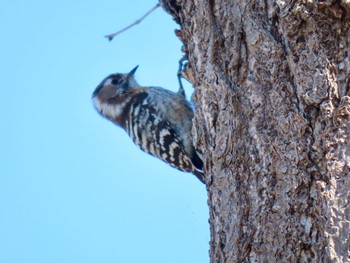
(132, 72)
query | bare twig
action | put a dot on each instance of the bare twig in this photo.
(111, 36)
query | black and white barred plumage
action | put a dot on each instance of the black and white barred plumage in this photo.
(158, 121)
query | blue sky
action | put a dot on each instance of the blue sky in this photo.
(73, 187)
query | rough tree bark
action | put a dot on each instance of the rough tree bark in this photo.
(272, 97)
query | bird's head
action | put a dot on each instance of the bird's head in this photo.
(115, 85)
(113, 93)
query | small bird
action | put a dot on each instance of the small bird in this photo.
(159, 121)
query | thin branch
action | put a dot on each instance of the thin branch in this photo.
(111, 36)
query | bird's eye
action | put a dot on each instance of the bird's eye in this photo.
(115, 81)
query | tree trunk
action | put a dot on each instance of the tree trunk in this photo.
(272, 119)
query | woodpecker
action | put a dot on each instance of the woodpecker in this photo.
(158, 121)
